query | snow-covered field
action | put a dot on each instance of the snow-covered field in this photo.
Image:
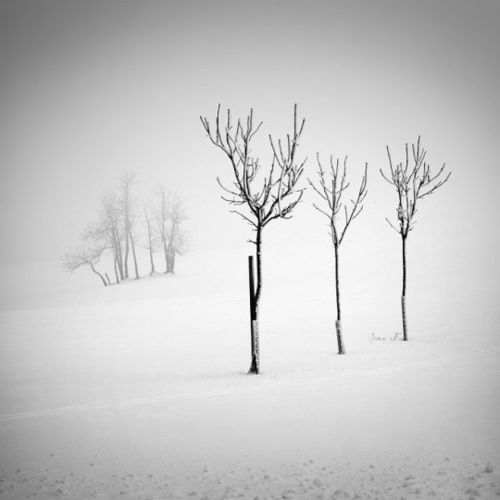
(140, 390)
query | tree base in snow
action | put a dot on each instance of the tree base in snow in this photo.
(340, 340)
(403, 310)
(255, 365)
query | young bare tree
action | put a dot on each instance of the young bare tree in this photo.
(85, 256)
(413, 180)
(330, 187)
(272, 196)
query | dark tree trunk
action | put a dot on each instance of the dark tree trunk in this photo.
(98, 274)
(338, 323)
(403, 292)
(254, 341)
(255, 366)
(134, 256)
(107, 279)
(259, 266)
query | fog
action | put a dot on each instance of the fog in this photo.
(141, 390)
(89, 89)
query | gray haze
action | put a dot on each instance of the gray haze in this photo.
(91, 88)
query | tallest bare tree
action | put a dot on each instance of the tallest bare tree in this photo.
(413, 180)
(271, 196)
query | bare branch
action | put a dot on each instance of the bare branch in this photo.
(331, 188)
(412, 184)
(276, 194)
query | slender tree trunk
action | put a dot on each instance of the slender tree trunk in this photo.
(338, 324)
(98, 274)
(117, 277)
(125, 261)
(165, 251)
(150, 239)
(259, 265)
(403, 292)
(127, 247)
(107, 279)
(151, 260)
(169, 259)
(116, 237)
(255, 366)
(254, 353)
(134, 256)
(171, 250)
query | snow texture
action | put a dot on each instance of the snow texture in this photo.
(139, 391)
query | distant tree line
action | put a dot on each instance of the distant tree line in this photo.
(122, 225)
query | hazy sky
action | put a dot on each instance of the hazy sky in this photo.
(89, 88)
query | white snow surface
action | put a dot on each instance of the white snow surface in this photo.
(140, 390)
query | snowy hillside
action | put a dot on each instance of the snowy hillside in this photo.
(124, 123)
(140, 390)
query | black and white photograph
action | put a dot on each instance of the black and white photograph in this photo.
(250, 250)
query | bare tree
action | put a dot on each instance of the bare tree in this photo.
(108, 233)
(170, 215)
(127, 210)
(161, 219)
(114, 229)
(85, 256)
(175, 235)
(413, 180)
(330, 187)
(273, 197)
